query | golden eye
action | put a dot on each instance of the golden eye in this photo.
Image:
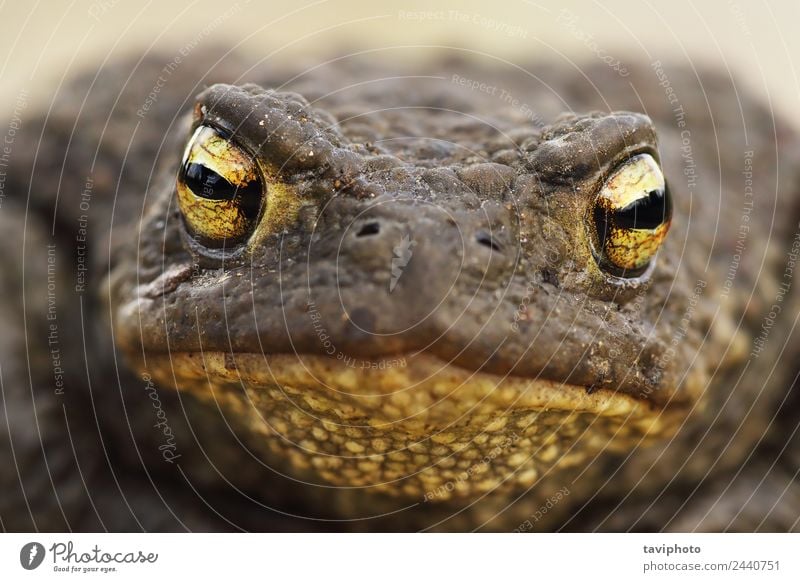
(219, 190)
(632, 215)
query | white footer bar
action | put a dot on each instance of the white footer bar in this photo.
(400, 557)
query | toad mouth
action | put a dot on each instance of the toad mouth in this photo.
(396, 389)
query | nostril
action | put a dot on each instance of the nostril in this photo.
(550, 276)
(485, 239)
(369, 229)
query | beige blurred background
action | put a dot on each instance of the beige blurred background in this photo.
(758, 40)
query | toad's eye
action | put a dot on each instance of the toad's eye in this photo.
(631, 217)
(219, 190)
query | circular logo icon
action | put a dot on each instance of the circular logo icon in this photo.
(31, 555)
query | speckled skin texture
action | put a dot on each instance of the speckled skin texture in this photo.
(503, 369)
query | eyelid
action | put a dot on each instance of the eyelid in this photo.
(218, 125)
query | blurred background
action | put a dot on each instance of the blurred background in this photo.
(47, 40)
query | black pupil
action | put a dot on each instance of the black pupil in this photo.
(648, 212)
(206, 183)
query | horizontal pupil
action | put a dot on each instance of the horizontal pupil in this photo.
(648, 212)
(207, 183)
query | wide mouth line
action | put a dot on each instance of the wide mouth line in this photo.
(255, 369)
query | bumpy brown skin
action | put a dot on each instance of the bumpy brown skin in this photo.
(443, 404)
